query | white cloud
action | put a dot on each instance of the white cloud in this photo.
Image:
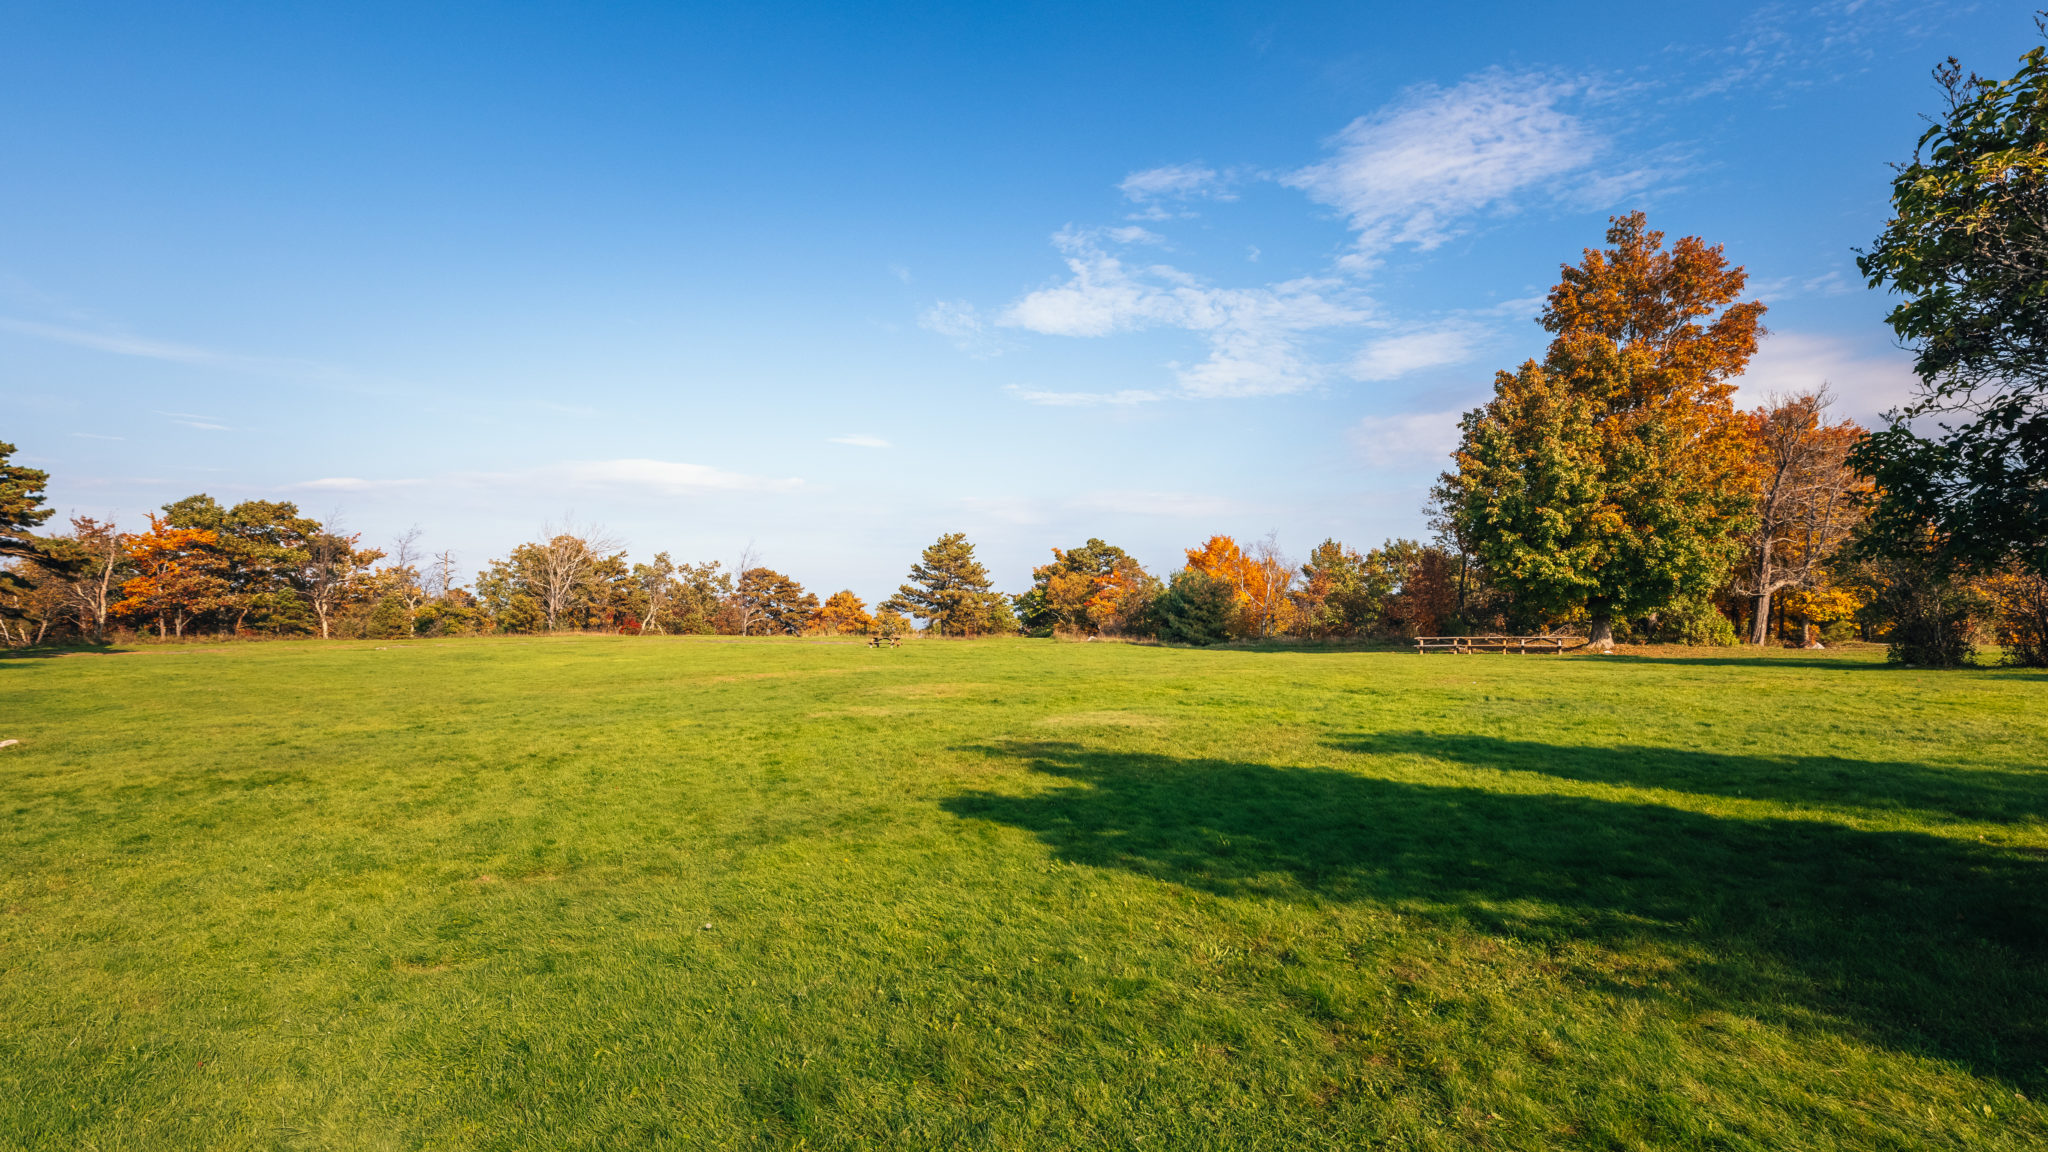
(1125, 398)
(1175, 181)
(1413, 173)
(1396, 356)
(96, 436)
(961, 323)
(1406, 174)
(859, 440)
(1407, 439)
(1865, 384)
(667, 476)
(1254, 334)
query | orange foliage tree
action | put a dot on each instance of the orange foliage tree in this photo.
(1260, 578)
(843, 612)
(1614, 477)
(1808, 502)
(180, 573)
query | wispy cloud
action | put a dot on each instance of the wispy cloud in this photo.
(1176, 182)
(960, 322)
(1393, 357)
(117, 343)
(1410, 173)
(1407, 439)
(1254, 334)
(859, 440)
(1808, 44)
(194, 420)
(1124, 398)
(96, 436)
(1865, 383)
(124, 344)
(1415, 173)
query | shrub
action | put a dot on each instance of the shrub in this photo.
(1930, 609)
(2022, 602)
(1695, 622)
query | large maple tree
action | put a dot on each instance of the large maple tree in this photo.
(1612, 477)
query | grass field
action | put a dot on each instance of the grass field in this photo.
(641, 893)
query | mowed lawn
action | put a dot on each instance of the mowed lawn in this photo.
(603, 892)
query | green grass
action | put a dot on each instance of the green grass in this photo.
(642, 893)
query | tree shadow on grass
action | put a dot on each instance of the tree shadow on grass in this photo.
(1917, 942)
(1942, 793)
(1846, 662)
(8, 655)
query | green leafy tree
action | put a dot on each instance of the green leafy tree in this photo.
(1340, 595)
(1612, 478)
(264, 544)
(949, 591)
(1196, 608)
(1967, 249)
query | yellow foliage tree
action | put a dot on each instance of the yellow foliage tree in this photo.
(843, 613)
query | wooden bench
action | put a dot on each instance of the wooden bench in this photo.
(1466, 645)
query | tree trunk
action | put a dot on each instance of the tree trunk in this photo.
(1760, 624)
(1600, 637)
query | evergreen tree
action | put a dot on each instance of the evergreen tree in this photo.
(949, 591)
(779, 604)
(1196, 608)
(21, 500)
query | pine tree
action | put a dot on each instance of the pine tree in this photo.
(949, 590)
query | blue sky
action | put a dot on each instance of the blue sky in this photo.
(836, 279)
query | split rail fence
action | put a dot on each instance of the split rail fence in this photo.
(1466, 645)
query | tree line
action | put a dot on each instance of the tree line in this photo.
(1611, 487)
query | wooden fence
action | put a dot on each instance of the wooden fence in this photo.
(1466, 645)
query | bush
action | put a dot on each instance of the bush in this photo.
(1195, 609)
(522, 613)
(2022, 602)
(1930, 609)
(1699, 624)
(388, 620)
(1693, 622)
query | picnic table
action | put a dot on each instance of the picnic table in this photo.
(1466, 645)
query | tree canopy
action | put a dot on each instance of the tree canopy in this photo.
(1612, 477)
(1967, 249)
